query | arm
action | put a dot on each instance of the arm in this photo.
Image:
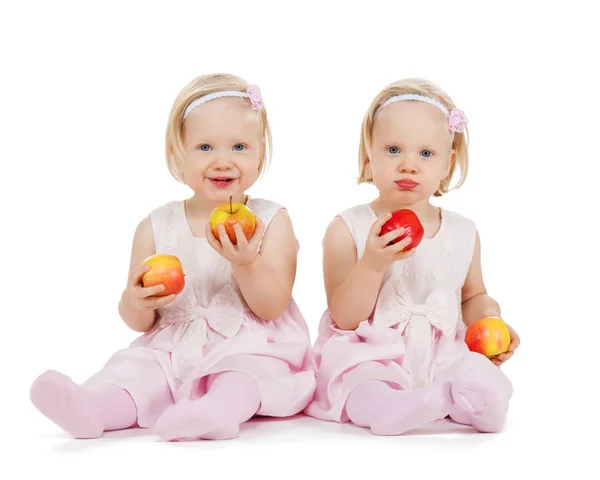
(476, 303)
(351, 287)
(267, 281)
(142, 248)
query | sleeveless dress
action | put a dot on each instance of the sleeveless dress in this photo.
(415, 334)
(209, 329)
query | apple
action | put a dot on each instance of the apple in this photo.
(166, 270)
(229, 214)
(407, 219)
(489, 336)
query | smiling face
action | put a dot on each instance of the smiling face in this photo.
(410, 151)
(223, 149)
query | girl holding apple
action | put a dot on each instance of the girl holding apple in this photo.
(403, 281)
(229, 341)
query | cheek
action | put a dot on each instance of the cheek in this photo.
(381, 175)
(383, 171)
(251, 163)
(193, 168)
(444, 167)
(250, 175)
(199, 161)
(379, 165)
(436, 173)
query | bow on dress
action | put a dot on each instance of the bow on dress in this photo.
(416, 323)
(223, 315)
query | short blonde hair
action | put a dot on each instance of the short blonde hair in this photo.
(417, 86)
(199, 87)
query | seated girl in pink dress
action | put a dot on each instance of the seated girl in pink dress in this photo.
(233, 343)
(391, 351)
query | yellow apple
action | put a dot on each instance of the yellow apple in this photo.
(229, 214)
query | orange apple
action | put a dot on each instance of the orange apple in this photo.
(229, 214)
(166, 270)
(488, 336)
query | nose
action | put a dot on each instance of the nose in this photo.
(222, 161)
(407, 164)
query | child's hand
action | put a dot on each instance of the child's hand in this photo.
(245, 251)
(514, 343)
(139, 297)
(378, 255)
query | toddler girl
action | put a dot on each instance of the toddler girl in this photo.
(233, 343)
(391, 350)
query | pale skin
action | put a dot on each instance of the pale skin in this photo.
(410, 141)
(222, 139)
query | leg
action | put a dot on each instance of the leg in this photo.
(481, 393)
(82, 412)
(131, 388)
(387, 411)
(232, 398)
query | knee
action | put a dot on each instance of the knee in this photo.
(478, 373)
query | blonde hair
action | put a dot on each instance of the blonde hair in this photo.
(199, 87)
(417, 86)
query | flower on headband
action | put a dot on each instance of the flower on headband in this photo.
(457, 121)
(255, 97)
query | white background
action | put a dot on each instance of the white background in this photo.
(86, 89)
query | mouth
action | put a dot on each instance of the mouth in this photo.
(222, 182)
(406, 184)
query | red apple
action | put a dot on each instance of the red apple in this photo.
(166, 270)
(229, 214)
(489, 336)
(407, 219)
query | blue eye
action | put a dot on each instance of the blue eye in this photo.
(393, 150)
(239, 147)
(426, 153)
(205, 147)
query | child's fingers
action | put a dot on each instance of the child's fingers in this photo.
(400, 246)
(241, 239)
(155, 302)
(403, 255)
(384, 240)
(515, 340)
(210, 238)
(145, 292)
(257, 236)
(136, 274)
(505, 356)
(225, 241)
(376, 227)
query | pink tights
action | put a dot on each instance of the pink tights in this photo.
(478, 395)
(82, 412)
(232, 399)
(87, 412)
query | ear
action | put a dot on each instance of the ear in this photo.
(451, 160)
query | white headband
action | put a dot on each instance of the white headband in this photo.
(457, 121)
(253, 94)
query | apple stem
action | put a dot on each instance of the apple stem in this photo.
(230, 205)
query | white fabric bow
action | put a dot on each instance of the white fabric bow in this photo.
(415, 322)
(224, 315)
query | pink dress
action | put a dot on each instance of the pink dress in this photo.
(415, 334)
(210, 329)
